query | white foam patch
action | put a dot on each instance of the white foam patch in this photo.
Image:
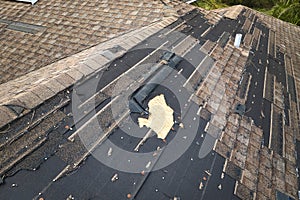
(160, 118)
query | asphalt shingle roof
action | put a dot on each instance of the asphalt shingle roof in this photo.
(68, 27)
(250, 154)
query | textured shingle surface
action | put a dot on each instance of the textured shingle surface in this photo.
(69, 27)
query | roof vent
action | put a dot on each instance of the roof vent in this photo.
(30, 1)
(238, 39)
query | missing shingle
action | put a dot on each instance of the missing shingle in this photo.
(113, 52)
(4, 21)
(25, 27)
(22, 27)
(18, 110)
(224, 39)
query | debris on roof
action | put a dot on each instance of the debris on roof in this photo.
(239, 106)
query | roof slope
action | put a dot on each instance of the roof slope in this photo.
(237, 108)
(62, 28)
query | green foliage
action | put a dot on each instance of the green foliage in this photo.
(286, 10)
(210, 4)
(251, 3)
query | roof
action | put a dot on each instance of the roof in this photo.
(62, 28)
(69, 124)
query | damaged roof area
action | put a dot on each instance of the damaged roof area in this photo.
(70, 129)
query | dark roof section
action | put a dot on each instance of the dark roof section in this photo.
(250, 155)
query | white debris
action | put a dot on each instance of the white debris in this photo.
(115, 177)
(109, 153)
(70, 197)
(201, 185)
(222, 175)
(184, 137)
(207, 172)
(220, 187)
(181, 125)
(148, 164)
(14, 185)
(262, 114)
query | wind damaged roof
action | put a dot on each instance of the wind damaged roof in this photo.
(75, 120)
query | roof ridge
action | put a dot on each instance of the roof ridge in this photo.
(233, 8)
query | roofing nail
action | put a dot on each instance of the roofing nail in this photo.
(222, 176)
(109, 152)
(14, 185)
(181, 125)
(220, 187)
(148, 164)
(207, 172)
(200, 185)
